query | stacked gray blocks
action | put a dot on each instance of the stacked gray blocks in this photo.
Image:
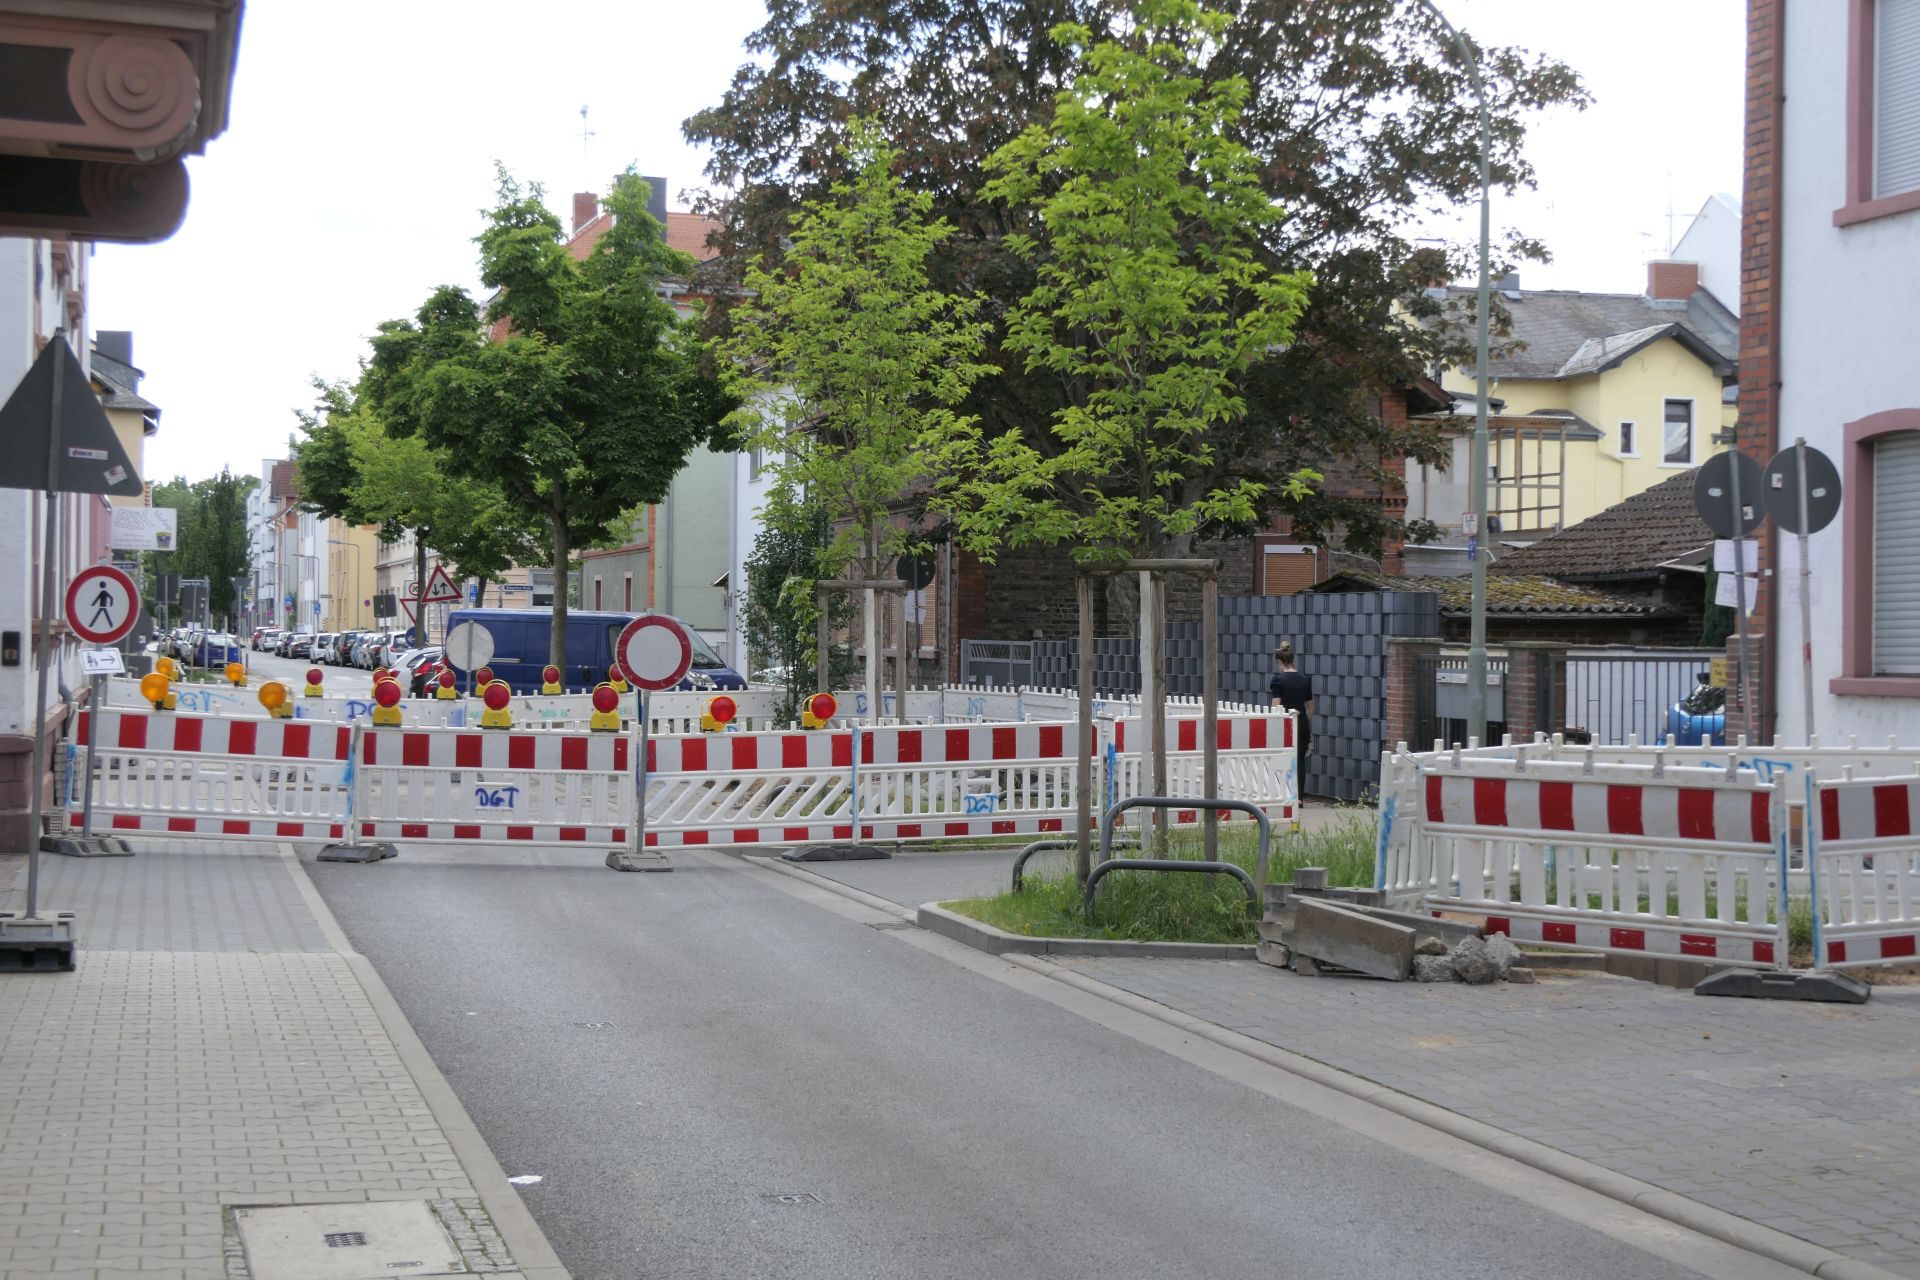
(1339, 639)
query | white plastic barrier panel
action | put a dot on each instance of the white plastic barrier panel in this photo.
(1681, 862)
(1257, 761)
(446, 785)
(161, 773)
(1864, 848)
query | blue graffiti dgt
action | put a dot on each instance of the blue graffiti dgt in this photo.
(496, 797)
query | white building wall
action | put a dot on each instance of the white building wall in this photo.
(31, 306)
(1848, 311)
(749, 495)
(1713, 241)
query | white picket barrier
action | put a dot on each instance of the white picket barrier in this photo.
(1622, 858)
(461, 786)
(1864, 847)
(166, 774)
(1256, 759)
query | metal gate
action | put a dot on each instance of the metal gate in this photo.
(1440, 700)
(1609, 699)
(1004, 663)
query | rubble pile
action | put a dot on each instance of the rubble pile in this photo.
(1312, 929)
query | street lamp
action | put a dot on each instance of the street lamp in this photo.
(354, 591)
(1477, 636)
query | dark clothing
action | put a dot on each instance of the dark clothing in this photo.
(1294, 689)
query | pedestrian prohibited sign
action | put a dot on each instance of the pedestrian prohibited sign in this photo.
(654, 652)
(102, 604)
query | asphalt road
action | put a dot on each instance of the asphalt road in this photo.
(715, 1078)
(347, 682)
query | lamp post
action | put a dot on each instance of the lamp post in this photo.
(354, 591)
(1477, 636)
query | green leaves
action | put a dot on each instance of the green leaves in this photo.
(848, 366)
(1142, 220)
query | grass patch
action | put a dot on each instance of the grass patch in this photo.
(1160, 906)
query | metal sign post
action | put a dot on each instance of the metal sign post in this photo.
(1725, 493)
(653, 652)
(1801, 491)
(1740, 600)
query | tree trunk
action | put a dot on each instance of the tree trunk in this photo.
(480, 596)
(557, 640)
(419, 588)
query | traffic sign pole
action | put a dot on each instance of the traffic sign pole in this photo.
(48, 555)
(1740, 596)
(1806, 583)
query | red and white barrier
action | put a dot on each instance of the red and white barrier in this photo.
(1683, 861)
(1864, 848)
(165, 774)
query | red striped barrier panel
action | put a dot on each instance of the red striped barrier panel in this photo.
(1683, 862)
(1863, 848)
(166, 774)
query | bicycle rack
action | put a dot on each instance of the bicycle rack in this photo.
(1108, 863)
(1038, 846)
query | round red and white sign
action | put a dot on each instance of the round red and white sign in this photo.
(654, 652)
(102, 604)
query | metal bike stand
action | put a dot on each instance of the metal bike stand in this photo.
(1109, 863)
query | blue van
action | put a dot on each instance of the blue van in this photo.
(522, 639)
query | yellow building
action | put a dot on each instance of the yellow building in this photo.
(353, 565)
(1595, 397)
(117, 382)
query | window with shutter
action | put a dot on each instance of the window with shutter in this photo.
(1677, 448)
(1896, 97)
(1896, 555)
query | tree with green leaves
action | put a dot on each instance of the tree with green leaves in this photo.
(1142, 220)
(848, 365)
(573, 391)
(352, 467)
(1358, 113)
(780, 604)
(212, 536)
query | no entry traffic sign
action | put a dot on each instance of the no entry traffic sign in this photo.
(654, 652)
(102, 604)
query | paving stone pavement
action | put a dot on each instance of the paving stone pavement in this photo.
(1801, 1117)
(211, 1050)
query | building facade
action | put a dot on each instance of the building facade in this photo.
(1830, 310)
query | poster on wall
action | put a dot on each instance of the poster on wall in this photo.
(145, 529)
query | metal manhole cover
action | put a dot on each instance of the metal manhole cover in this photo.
(791, 1197)
(356, 1241)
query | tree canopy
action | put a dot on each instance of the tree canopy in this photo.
(847, 364)
(1360, 117)
(574, 390)
(1149, 301)
(212, 536)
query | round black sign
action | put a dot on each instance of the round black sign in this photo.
(1780, 490)
(915, 571)
(1713, 494)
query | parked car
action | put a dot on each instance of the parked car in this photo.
(415, 666)
(342, 646)
(300, 645)
(322, 648)
(215, 649)
(521, 646)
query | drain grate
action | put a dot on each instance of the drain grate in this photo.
(344, 1239)
(791, 1197)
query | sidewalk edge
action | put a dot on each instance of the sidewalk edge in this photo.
(1728, 1228)
(533, 1255)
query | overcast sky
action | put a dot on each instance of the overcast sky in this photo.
(364, 134)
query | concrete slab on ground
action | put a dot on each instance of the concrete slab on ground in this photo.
(1798, 1116)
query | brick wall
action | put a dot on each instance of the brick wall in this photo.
(1402, 652)
(1759, 354)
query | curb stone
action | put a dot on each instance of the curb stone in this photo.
(1741, 1233)
(997, 942)
(532, 1252)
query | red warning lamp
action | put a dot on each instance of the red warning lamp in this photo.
(387, 692)
(823, 706)
(550, 674)
(484, 677)
(313, 675)
(722, 709)
(497, 695)
(605, 699)
(446, 677)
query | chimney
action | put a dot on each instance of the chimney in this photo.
(1672, 281)
(114, 344)
(586, 207)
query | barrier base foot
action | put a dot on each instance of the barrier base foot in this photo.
(42, 943)
(371, 851)
(74, 846)
(1825, 988)
(628, 860)
(836, 853)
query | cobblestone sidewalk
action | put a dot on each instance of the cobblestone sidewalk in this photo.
(212, 1050)
(1800, 1117)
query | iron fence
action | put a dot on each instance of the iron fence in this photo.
(1609, 698)
(1004, 663)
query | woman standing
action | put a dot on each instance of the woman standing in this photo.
(1294, 690)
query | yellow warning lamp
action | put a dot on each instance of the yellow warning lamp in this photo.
(236, 674)
(277, 699)
(156, 688)
(386, 702)
(606, 710)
